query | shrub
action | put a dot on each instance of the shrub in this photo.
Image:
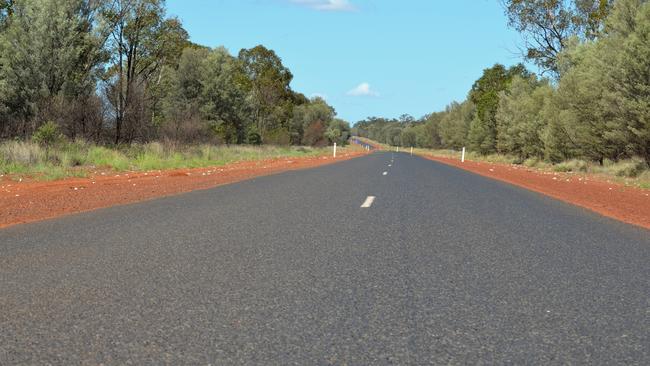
(573, 165)
(254, 138)
(47, 135)
(531, 162)
(629, 169)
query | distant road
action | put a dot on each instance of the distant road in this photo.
(440, 266)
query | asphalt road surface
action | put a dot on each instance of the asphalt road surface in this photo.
(442, 267)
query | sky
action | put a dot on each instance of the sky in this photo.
(365, 57)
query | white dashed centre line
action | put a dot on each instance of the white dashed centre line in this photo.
(368, 202)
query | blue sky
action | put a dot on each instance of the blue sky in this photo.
(365, 57)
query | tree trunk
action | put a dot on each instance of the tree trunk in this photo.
(120, 95)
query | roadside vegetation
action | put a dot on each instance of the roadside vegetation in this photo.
(630, 172)
(117, 83)
(588, 111)
(79, 158)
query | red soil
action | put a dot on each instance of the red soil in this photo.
(22, 202)
(628, 204)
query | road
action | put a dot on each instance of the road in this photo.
(442, 267)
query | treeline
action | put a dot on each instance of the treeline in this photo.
(593, 104)
(122, 71)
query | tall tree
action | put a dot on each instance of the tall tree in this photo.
(547, 25)
(455, 124)
(181, 90)
(223, 97)
(627, 85)
(520, 121)
(267, 81)
(485, 95)
(142, 41)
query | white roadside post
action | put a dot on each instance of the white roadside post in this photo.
(335, 149)
(411, 150)
(462, 157)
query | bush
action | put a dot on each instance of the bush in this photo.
(47, 135)
(254, 138)
(573, 165)
(531, 162)
(629, 169)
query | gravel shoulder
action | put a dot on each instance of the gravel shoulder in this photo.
(29, 201)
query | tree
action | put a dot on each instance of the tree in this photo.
(267, 82)
(520, 121)
(408, 137)
(547, 25)
(59, 56)
(223, 97)
(455, 124)
(626, 87)
(143, 41)
(338, 131)
(428, 134)
(311, 121)
(181, 90)
(485, 95)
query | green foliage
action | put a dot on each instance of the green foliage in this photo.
(311, 122)
(223, 98)
(125, 71)
(548, 25)
(485, 94)
(455, 124)
(627, 89)
(78, 158)
(266, 80)
(338, 131)
(54, 51)
(254, 138)
(520, 123)
(47, 135)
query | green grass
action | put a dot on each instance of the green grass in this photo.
(78, 158)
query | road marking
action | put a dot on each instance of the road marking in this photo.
(390, 165)
(368, 202)
(385, 173)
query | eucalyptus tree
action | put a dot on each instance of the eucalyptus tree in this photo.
(267, 82)
(625, 59)
(50, 49)
(142, 41)
(520, 121)
(223, 97)
(485, 95)
(547, 25)
(455, 124)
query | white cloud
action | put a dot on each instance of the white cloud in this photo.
(363, 90)
(327, 5)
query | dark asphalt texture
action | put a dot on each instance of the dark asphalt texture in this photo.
(446, 267)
